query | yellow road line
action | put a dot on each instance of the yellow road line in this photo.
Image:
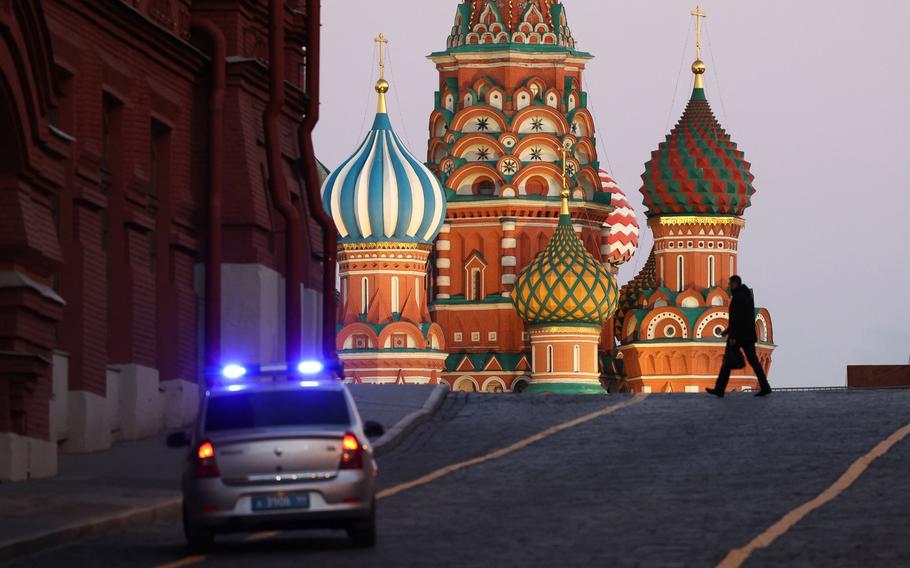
(737, 556)
(188, 561)
(507, 450)
(430, 477)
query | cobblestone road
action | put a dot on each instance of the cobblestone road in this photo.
(677, 480)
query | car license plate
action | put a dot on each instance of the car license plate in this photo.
(281, 501)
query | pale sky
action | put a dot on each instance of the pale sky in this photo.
(815, 92)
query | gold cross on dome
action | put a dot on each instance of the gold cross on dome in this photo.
(699, 16)
(565, 193)
(382, 41)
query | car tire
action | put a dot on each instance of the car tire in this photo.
(198, 539)
(363, 533)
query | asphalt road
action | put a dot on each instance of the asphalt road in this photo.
(676, 480)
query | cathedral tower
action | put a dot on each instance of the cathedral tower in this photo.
(697, 186)
(566, 296)
(510, 96)
(388, 207)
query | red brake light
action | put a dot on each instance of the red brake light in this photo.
(349, 442)
(351, 452)
(206, 450)
(206, 466)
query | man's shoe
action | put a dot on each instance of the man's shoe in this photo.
(764, 392)
(715, 392)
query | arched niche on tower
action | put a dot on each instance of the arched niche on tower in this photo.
(540, 119)
(711, 322)
(401, 335)
(468, 178)
(582, 123)
(356, 336)
(544, 171)
(479, 119)
(589, 182)
(666, 323)
(478, 148)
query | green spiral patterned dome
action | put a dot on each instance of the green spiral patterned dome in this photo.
(565, 284)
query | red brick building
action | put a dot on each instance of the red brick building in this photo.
(158, 192)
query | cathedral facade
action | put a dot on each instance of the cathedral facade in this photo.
(491, 267)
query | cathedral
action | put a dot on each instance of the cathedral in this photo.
(492, 265)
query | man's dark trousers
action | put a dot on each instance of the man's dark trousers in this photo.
(749, 351)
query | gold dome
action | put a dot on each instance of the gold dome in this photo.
(698, 67)
(565, 284)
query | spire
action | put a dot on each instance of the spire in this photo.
(564, 194)
(698, 67)
(382, 86)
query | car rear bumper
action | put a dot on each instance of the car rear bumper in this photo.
(213, 504)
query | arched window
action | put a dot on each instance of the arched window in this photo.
(680, 273)
(711, 272)
(662, 277)
(396, 305)
(364, 295)
(476, 285)
(576, 359)
(417, 291)
(537, 185)
(549, 358)
(732, 269)
(485, 186)
(344, 291)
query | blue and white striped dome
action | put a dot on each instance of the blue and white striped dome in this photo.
(383, 193)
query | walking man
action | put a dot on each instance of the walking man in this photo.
(740, 336)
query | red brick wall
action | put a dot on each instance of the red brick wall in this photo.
(872, 376)
(117, 237)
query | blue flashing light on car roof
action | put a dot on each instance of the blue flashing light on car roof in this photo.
(235, 388)
(308, 384)
(310, 367)
(233, 371)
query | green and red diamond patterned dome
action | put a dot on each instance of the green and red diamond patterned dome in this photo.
(698, 170)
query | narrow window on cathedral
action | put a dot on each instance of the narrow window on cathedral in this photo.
(663, 277)
(417, 290)
(364, 295)
(680, 273)
(576, 359)
(476, 291)
(549, 358)
(711, 272)
(396, 308)
(344, 291)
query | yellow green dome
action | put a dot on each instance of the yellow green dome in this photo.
(565, 284)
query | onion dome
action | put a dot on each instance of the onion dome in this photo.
(529, 22)
(622, 242)
(697, 170)
(383, 193)
(565, 284)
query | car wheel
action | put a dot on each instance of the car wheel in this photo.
(363, 533)
(198, 539)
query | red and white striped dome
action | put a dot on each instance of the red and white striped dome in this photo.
(622, 242)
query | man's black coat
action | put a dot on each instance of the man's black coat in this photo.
(742, 316)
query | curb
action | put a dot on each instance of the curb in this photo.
(56, 537)
(390, 440)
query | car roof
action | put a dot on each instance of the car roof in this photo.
(251, 386)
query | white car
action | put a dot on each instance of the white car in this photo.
(290, 454)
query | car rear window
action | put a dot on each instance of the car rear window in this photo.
(241, 411)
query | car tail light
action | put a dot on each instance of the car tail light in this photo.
(206, 466)
(351, 452)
